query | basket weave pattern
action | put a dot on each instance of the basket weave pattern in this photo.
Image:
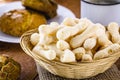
(78, 70)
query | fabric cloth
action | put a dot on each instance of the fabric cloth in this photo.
(111, 74)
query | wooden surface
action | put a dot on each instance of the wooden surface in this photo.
(29, 71)
(73, 5)
(27, 63)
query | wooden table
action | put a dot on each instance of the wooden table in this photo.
(29, 71)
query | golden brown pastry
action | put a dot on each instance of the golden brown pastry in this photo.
(48, 7)
(16, 22)
(9, 69)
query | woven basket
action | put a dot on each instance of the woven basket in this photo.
(78, 70)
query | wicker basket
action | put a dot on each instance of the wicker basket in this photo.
(78, 70)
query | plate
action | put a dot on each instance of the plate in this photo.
(62, 12)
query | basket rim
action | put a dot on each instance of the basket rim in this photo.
(36, 58)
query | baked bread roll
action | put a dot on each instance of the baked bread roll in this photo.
(48, 7)
(9, 68)
(16, 22)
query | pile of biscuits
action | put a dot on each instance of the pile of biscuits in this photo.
(36, 12)
(76, 40)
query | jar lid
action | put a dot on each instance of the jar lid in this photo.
(103, 2)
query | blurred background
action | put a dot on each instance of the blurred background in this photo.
(71, 4)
